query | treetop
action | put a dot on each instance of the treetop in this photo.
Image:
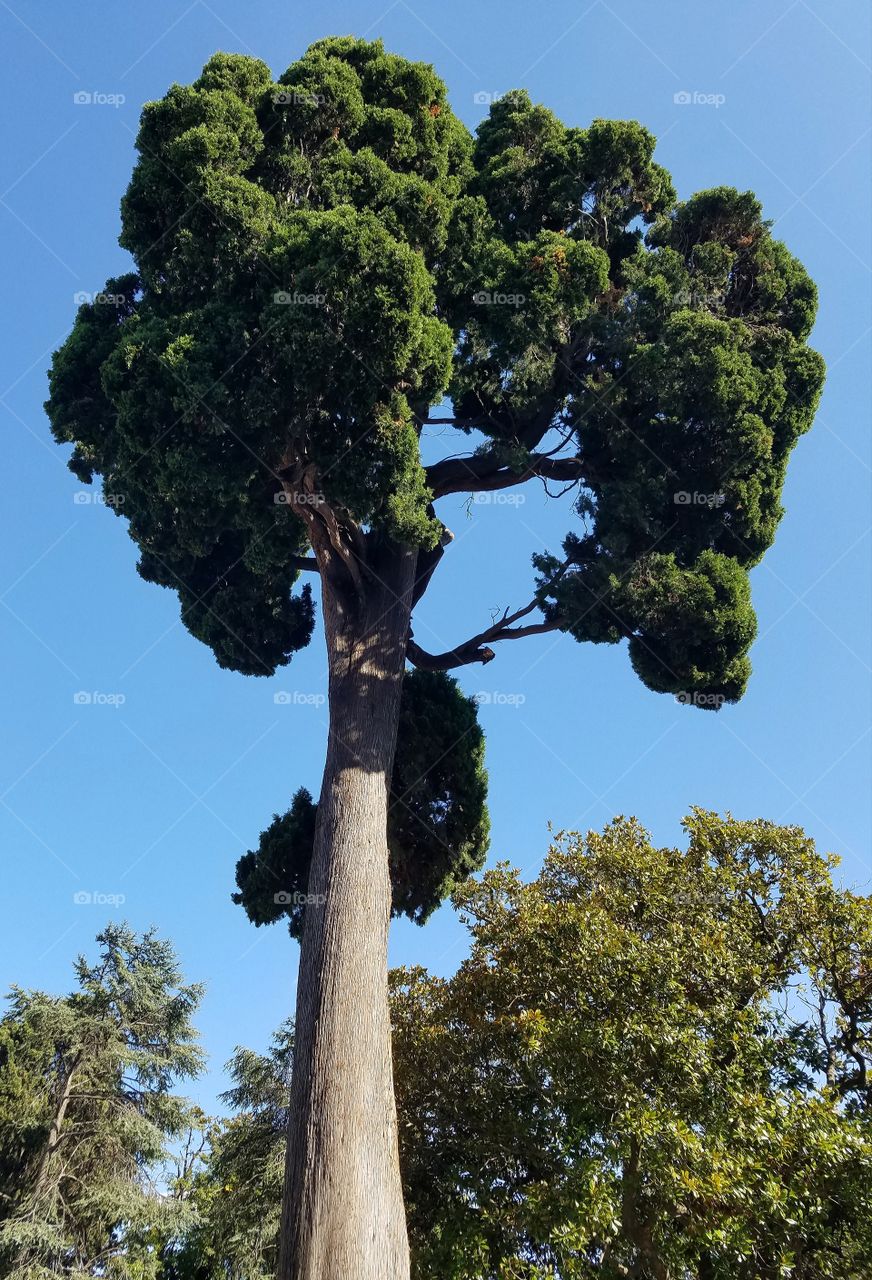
(320, 260)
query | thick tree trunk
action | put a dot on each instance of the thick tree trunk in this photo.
(343, 1216)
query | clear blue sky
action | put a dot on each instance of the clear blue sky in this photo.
(156, 797)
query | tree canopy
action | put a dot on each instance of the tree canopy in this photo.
(320, 260)
(655, 1062)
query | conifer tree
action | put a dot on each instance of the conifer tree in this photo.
(87, 1110)
(318, 263)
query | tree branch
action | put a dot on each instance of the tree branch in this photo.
(477, 649)
(485, 472)
(335, 538)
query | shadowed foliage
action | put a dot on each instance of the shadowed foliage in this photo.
(437, 816)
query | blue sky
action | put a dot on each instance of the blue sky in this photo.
(154, 788)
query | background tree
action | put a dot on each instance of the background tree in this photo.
(320, 261)
(87, 1111)
(654, 1063)
(236, 1196)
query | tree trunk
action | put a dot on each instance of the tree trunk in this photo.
(56, 1127)
(343, 1215)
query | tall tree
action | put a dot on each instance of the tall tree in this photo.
(655, 1063)
(318, 263)
(87, 1111)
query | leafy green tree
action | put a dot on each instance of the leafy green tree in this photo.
(655, 1063)
(318, 263)
(87, 1112)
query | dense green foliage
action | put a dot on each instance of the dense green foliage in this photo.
(654, 1063)
(190, 395)
(320, 260)
(87, 1112)
(437, 816)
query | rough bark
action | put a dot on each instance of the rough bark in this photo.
(343, 1211)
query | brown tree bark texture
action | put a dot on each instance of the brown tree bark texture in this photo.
(343, 1215)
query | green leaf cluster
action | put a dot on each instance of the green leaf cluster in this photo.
(654, 1062)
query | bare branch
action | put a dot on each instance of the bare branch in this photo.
(477, 649)
(485, 472)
